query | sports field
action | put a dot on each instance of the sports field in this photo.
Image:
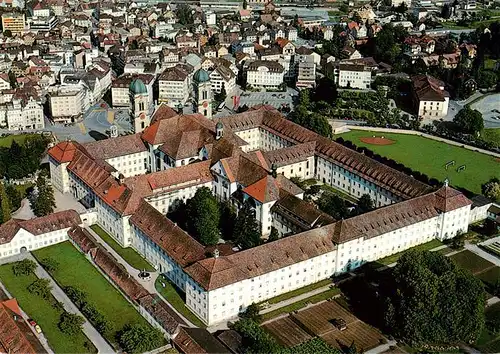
(430, 157)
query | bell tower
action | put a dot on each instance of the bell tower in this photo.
(203, 93)
(140, 114)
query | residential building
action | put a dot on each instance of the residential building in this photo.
(120, 95)
(67, 103)
(14, 22)
(430, 98)
(265, 74)
(222, 76)
(175, 85)
(306, 74)
(22, 112)
(354, 76)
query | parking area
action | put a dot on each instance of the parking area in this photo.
(323, 320)
(489, 106)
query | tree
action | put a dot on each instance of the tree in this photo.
(139, 338)
(365, 203)
(24, 267)
(246, 230)
(12, 79)
(326, 90)
(184, 14)
(50, 264)
(42, 199)
(446, 11)
(491, 189)
(7, 33)
(487, 79)
(70, 323)
(402, 8)
(203, 217)
(4, 205)
(245, 4)
(227, 219)
(274, 235)
(255, 339)
(40, 287)
(221, 96)
(333, 205)
(469, 121)
(14, 196)
(252, 312)
(434, 301)
(77, 296)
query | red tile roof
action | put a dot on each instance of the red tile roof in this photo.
(14, 331)
(63, 152)
(41, 225)
(176, 243)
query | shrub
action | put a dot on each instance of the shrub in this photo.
(24, 267)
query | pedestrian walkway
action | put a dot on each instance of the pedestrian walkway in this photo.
(149, 285)
(99, 342)
(489, 257)
(382, 348)
(292, 300)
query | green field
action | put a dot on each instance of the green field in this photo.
(43, 313)
(7, 140)
(128, 254)
(471, 261)
(176, 298)
(75, 270)
(430, 156)
(299, 291)
(492, 135)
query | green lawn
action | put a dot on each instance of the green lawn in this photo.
(471, 261)
(488, 341)
(300, 304)
(423, 247)
(44, 314)
(489, 63)
(299, 291)
(492, 135)
(175, 297)
(490, 276)
(339, 193)
(75, 270)
(128, 254)
(6, 141)
(430, 156)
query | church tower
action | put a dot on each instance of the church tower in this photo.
(203, 93)
(140, 114)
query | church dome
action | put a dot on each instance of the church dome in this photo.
(137, 87)
(201, 76)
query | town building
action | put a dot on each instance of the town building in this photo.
(120, 94)
(22, 112)
(265, 74)
(14, 22)
(354, 76)
(175, 85)
(429, 96)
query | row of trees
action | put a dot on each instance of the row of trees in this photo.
(208, 220)
(69, 323)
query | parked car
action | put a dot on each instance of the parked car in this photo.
(32, 322)
(38, 329)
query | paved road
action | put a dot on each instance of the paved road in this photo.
(149, 285)
(382, 348)
(489, 257)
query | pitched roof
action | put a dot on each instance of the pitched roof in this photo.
(214, 273)
(428, 88)
(196, 341)
(41, 225)
(176, 243)
(114, 147)
(15, 334)
(64, 151)
(162, 313)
